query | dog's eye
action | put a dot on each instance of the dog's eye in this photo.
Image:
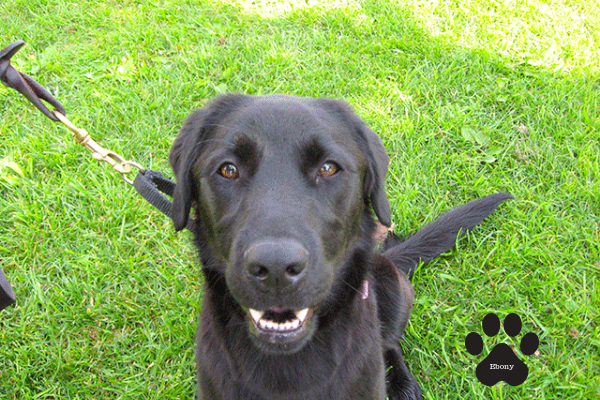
(229, 171)
(328, 169)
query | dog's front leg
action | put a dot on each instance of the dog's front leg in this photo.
(394, 304)
(395, 297)
(401, 384)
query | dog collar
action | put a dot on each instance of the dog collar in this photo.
(365, 290)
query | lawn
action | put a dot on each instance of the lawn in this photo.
(469, 97)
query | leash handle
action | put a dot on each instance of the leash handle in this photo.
(24, 84)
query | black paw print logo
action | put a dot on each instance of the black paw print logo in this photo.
(501, 364)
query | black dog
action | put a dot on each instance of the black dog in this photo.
(298, 304)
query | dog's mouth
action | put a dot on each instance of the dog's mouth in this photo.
(279, 320)
(279, 329)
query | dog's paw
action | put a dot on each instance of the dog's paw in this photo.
(501, 364)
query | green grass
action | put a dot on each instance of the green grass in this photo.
(470, 98)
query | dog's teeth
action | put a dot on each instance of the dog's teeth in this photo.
(301, 315)
(269, 325)
(256, 315)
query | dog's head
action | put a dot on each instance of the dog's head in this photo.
(282, 188)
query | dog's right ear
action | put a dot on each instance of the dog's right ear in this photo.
(184, 153)
(186, 150)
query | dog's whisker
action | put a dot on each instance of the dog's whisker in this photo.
(357, 290)
(320, 340)
(237, 324)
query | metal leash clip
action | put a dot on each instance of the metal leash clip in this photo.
(81, 136)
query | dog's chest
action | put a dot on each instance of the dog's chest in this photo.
(342, 362)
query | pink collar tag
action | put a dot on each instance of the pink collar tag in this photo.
(365, 290)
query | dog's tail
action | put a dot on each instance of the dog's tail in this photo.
(440, 235)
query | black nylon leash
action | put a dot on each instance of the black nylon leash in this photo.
(151, 185)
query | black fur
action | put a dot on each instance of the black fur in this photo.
(279, 235)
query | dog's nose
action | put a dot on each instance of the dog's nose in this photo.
(276, 264)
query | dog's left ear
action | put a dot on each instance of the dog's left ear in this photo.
(377, 158)
(378, 162)
(184, 153)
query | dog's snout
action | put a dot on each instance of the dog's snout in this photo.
(276, 264)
